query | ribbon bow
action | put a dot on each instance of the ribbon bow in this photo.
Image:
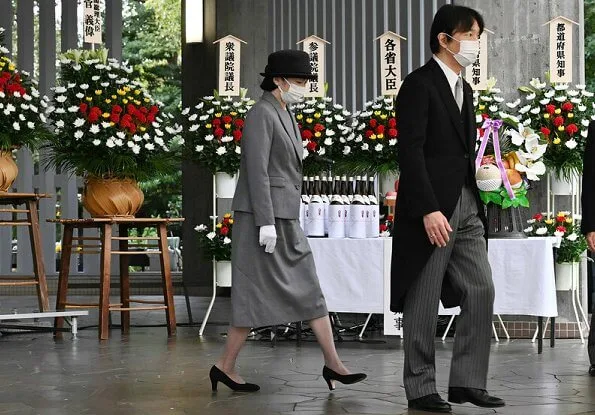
(491, 127)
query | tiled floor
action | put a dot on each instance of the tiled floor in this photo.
(146, 373)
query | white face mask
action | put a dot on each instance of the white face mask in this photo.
(294, 94)
(468, 51)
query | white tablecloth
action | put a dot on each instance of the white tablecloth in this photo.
(352, 272)
(355, 274)
(523, 274)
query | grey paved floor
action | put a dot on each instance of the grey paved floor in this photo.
(145, 373)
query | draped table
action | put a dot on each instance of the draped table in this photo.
(355, 276)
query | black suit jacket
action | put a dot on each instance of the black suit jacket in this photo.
(436, 154)
(588, 193)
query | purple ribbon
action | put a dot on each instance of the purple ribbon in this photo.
(492, 126)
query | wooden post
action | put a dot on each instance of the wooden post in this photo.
(63, 277)
(170, 312)
(104, 285)
(124, 280)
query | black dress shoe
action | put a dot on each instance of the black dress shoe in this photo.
(592, 370)
(217, 375)
(478, 397)
(430, 403)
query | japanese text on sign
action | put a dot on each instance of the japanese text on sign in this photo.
(92, 22)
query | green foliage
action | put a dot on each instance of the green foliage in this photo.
(573, 243)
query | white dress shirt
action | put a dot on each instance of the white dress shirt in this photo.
(451, 76)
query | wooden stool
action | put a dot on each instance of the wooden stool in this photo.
(104, 249)
(30, 200)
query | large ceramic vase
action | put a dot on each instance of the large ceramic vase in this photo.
(567, 274)
(112, 197)
(223, 273)
(8, 170)
(225, 185)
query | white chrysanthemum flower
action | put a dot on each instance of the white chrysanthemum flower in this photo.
(96, 142)
(16, 126)
(193, 127)
(541, 231)
(111, 143)
(150, 146)
(221, 151)
(112, 75)
(584, 133)
(22, 117)
(192, 117)
(582, 108)
(60, 124)
(330, 133)
(60, 111)
(73, 108)
(130, 144)
(328, 120)
(573, 92)
(493, 108)
(558, 234)
(587, 93)
(328, 142)
(545, 101)
(529, 229)
(238, 150)
(499, 100)
(580, 87)
(136, 149)
(571, 144)
(84, 87)
(76, 67)
(549, 94)
(378, 147)
(31, 125)
(561, 87)
(60, 98)
(226, 241)
(358, 138)
(513, 104)
(392, 142)
(80, 95)
(204, 117)
(60, 90)
(79, 122)
(119, 142)
(525, 109)
(121, 134)
(321, 151)
(185, 111)
(486, 98)
(530, 220)
(78, 134)
(572, 237)
(105, 125)
(346, 150)
(536, 83)
(478, 118)
(575, 100)
(561, 98)
(42, 118)
(226, 139)
(535, 110)
(209, 137)
(211, 235)
(365, 146)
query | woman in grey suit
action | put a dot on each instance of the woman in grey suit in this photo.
(273, 271)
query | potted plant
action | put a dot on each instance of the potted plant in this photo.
(561, 114)
(22, 122)
(324, 127)
(571, 245)
(110, 131)
(213, 132)
(217, 247)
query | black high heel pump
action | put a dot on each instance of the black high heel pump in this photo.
(329, 375)
(217, 375)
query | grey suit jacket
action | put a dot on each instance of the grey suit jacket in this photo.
(270, 179)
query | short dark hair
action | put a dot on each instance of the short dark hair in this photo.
(267, 84)
(450, 19)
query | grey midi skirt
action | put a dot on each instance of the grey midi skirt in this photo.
(269, 289)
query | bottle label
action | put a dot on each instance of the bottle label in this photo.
(325, 199)
(337, 199)
(315, 199)
(366, 199)
(305, 199)
(346, 200)
(358, 199)
(373, 200)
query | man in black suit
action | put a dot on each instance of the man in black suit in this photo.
(588, 221)
(439, 246)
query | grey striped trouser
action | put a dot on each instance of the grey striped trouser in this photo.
(465, 260)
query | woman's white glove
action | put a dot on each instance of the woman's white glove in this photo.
(268, 238)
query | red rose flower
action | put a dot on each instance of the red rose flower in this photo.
(83, 107)
(380, 129)
(485, 116)
(390, 218)
(227, 119)
(318, 128)
(224, 231)
(130, 109)
(154, 109)
(571, 129)
(538, 216)
(560, 219)
(219, 132)
(144, 110)
(115, 118)
(545, 131)
(94, 114)
(392, 132)
(558, 121)
(132, 129)
(239, 123)
(567, 106)
(392, 123)
(551, 109)
(373, 123)
(369, 133)
(237, 135)
(216, 122)
(311, 146)
(116, 109)
(150, 117)
(307, 134)
(561, 229)
(383, 227)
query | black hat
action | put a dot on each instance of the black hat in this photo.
(290, 64)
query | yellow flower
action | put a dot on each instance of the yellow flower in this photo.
(373, 137)
(233, 114)
(231, 221)
(219, 226)
(219, 114)
(558, 111)
(137, 102)
(112, 124)
(127, 88)
(557, 141)
(570, 115)
(227, 126)
(381, 136)
(121, 92)
(317, 115)
(98, 92)
(114, 97)
(11, 67)
(105, 115)
(317, 134)
(561, 128)
(383, 117)
(208, 125)
(546, 115)
(482, 107)
(143, 129)
(568, 220)
(107, 101)
(393, 113)
(227, 215)
(136, 92)
(299, 116)
(89, 99)
(376, 113)
(309, 120)
(147, 100)
(549, 221)
(124, 101)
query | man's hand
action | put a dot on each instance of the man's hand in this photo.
(437, 228)
(268, 238)
(591, 241)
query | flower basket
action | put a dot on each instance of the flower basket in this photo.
(8, 170)
(561, 114)
(106, 126)
(112, 197)
(213, 132)
(324, 127)
(372, 147)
